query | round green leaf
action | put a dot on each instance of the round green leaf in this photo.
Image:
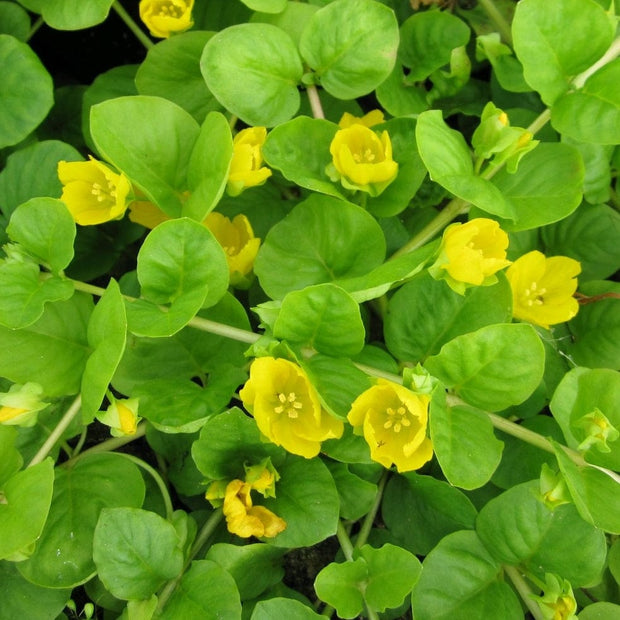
(135, 552)
(324, 317)
(323, 239)
(14, 21)
(600, 611)
(26, 91)
(283, 608)
(45, 228)
(75, 14)
(171, 70)
(207, 592)
(11, 459)
(461, 580)
(356, 494)
(340, 586)
(253, 70)
(351, 45)
(63, 555)
(24, 509)
(517, 527)
(492, 368)
(266, 6)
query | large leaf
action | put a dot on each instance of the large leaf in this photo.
(75, 14)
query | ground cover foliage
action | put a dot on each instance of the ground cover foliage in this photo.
(322, 287)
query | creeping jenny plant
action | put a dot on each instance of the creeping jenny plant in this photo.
(328, 279)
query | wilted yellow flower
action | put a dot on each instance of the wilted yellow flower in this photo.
(471, 253)
(246, 167)
(164, 17)
(121, 416)
(245, 519)
(286, 407)
(374, 117)
(362, 160)
(92, 192)
(239, 243)
(393, 420)
(21, 404)
(542, 288)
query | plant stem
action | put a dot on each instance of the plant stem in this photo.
(524, 591)
(344, 541)
(611, 54)
(315, 101)
(539, 122)
(495, 15)
(56, 434)
(362, 537)
(33, 30)
(111, 444)
(131, 24)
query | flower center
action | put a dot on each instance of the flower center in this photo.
(289, 405)
(397, 418)
(104, 193)
(534, 296)
(365, 157)
(170, 10)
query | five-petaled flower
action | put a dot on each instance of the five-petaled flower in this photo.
(121, 416)
(93, 192)
(471, 253)
(246, 167)
(165, 17)
(362, 159)
(243, 518)
(238, 241)
(393, 421)
(21, 404)
(543, 288)
(287, 408)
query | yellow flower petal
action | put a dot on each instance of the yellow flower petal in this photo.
(146, 214)
(246, 167)
(165, 17)
(374, 117)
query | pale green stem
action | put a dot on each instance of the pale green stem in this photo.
(56, 434)
(539, 122)
(131, 24)
(344, 541)
(203, 536)
(113, 443)
(524, 591)
(611, 54)
(80, 444)
(495, 15)
(315, 101)
(364, 532)
(33, 30)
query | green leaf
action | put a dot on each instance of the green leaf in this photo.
(253, 71)
(464, 444)
(420, 510)
(26, 502)
(425, 314)
(351, 45)
(356, 494)
(600, 611)
(449, 162)
(400, 98)
(492, 368)
(595, 493)
(11, 459)
(32, 172)
(63, 555)
(518, 528)
(208, 166)
(135, 552)
(75, 14)
(280, 607)
(324, 317)
(157, 161)
(552, 51)
(322, 240)
(52, 351)
(307, 499)
(45, 228)
(339, 585)
(300, 150)
(254, 567)
(25, 294)
(107, 336)
(171, 70)
(427, 41)
(207, 592)
(293, 19)
(26, 91)
(14, 21)
(20, 598)
(461, 580)
(592, 113)
(266, 6)
(180, 263)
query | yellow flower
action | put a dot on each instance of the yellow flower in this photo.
(557, 601)
(21, 404)
(262, 477)
(374, 117)
(542, 288)
(286, 407)
(471, 253)
(164, 17)
(362, 160)
(92, 192)
(146, 214)
(246, 167)
(598, 431)
(239, 243)
(121, 416)
(244, 519)
(393, 420)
